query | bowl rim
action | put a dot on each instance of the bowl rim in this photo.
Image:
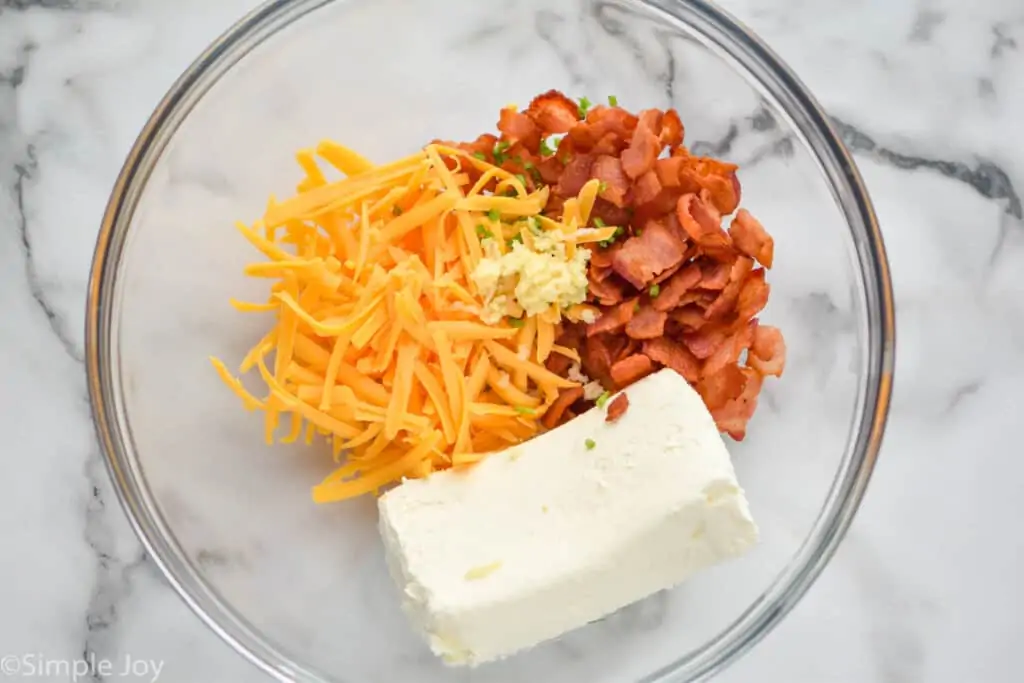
(730, 40)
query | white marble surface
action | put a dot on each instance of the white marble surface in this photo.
(928, 94)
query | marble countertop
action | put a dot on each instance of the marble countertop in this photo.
(927, 93)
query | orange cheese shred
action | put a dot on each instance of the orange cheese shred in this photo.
(377, 340)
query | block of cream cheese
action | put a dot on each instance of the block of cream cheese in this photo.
(567, 527)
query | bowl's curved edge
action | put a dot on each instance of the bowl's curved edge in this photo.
(135, 500)
(852, 481)
(750, 627)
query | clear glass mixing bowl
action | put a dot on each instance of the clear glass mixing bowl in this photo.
(302, 590)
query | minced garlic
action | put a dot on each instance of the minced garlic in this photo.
(529, 281)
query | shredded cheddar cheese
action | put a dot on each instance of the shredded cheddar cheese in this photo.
(381, 339)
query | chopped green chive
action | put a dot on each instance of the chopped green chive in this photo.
(636, 306)
(602, 187)
(396, 210)
(604, 244)
(638, 232)
(523, 410)
(494, 215)
(655, 290)
(602, 399)
(499, 152)
(482, 232)
(545, 149)
(516, 322)
(590, 444)
(619, 232)
(598, 222)
(613, 100)
(513, 240)
(533, 224)
(535, 174)
(585, 105)
(521, 178)
(519, 160)
(480, 155)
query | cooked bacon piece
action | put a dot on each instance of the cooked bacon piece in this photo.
(666, 274)
(606, 292)
(651, 118)
(647, 323)
(718, 178)
(753, 295)
(558, 364)
(550, 169)
(554, 112)
(615, 184)
(752, 239)
(566, 397)
(643, 149)
(575, 175)
(602, 258)
(726, 301)
(704, 343)
(647, 188)
(612, 319)
(702, 225)
(669, 171)
(731, 349)
(671, 129)
(643, 257)
(725, 385)
(517, 127)
(610, 214)
(715, 274)
(674, 355)
(617, 408)
(608, 129)
(610, 145)
(599, 273)
(768, 352)
(733, 417)
(699, 297)
(690, 317)
(630, 369)
(661, 207)
(596, 357)
(484, 144)
(673, 290)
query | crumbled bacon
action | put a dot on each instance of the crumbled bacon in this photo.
(617, 408)
(612, 319)
(672, 354)
(553, 112)
(643, 150)
(614, 183)
(630, 369)
(675, 289)
(768, 351)
(566, 397)
(517, 127)
(642, 257)
(752, 239)
(647, 323)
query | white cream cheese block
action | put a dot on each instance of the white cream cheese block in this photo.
(568, 527)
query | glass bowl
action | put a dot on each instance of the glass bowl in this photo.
(302, 590)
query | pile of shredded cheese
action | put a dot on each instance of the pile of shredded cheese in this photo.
(379, 340)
